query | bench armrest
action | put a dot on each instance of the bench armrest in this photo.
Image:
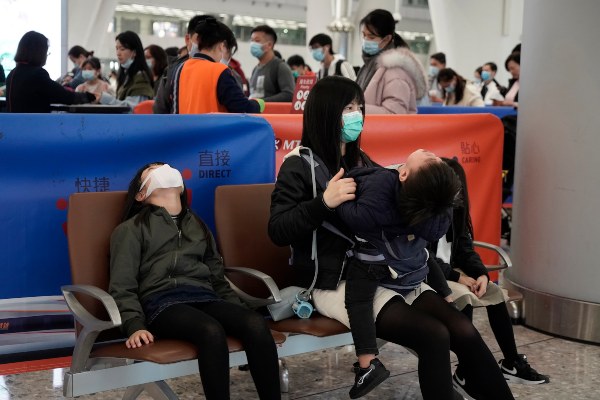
(506, 261)
(92, 326)
(264, 278)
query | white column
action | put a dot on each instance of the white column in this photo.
(556, 232)
(472, 33)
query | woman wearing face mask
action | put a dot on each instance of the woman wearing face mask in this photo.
(204, 83)
(392, 77)
(91, 74)
(166, 277)
(29, 88)
(134, 83)
(156, 58)
(457, 91)
(77, 55)
(421, 320)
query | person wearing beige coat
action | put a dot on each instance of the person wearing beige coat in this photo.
(399, 81)
(391, 78)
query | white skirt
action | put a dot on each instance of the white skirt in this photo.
(332, 304)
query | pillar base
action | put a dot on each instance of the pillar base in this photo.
(556, 315)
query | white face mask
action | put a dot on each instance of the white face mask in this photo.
(163, 177)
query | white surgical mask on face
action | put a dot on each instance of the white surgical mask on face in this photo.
(163, 177)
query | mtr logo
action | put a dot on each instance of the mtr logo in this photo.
(286, 144)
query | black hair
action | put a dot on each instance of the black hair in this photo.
(160, 59)
(32, 49)
(479, 70)
(322, 124)
(94, 62)
(462, 176)
(210, 32)
(130, 40)
(439, 57)
(516, 57)
(429, 191)
(381, 23)
(322, 40)
(267, 30)
(172, 51)
(517, 48)
(78, 51)
(492, 66)
(142, 210)
(191, 28)
(296, 61)
(447, 74)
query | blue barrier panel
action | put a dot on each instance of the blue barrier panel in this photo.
(499, 111)
(45, 158)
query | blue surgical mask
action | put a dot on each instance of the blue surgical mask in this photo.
(353, 126)
(485, 75)
(477, 81)
(451, 88)
(127, 63)
(88, 74)
(149, 62)
(433, 71)
(318, 54)
(296, 74)
(256, 49)
(370, 47)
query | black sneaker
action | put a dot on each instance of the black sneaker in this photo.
(368, 378)
(461, 386)
(520, 371)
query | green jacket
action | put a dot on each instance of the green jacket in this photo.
(138, 86)
(149, 257)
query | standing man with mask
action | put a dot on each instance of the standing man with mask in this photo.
(271, 79)
(163, 102)
(321, 49)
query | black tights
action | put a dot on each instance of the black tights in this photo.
(207, 325)
(431, 327)
(502, 328)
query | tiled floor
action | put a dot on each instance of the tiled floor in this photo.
(573, 368)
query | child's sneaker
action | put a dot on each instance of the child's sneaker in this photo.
(460, 384)
(520, 371)
(368, 378)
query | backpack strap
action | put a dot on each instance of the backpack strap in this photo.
(338, 67)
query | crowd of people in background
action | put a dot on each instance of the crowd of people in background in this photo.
(392, 78)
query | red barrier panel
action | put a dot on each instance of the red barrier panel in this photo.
(278, 108)
(144, 107)
(475, 139)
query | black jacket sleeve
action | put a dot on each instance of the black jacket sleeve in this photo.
(436, 278)
(294, 211)
(232, 97)
(55, 93)
(464, 255)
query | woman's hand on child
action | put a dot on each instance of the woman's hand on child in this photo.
(139, 338)
(339, 190)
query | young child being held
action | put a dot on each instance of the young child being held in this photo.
(396, 212)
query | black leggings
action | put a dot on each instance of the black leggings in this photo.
(502, 328)
(431, 327)
(207, 325)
